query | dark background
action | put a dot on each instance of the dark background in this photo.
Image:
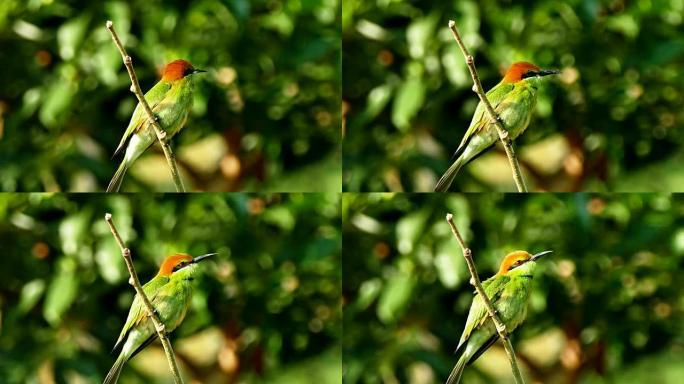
(605, 307)
(265, 116)
(611, 122)
(266, 309)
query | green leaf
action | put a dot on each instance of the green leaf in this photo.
(449, 263)
(378, 98)
(57, 100)
(61, 292)
(625, 24)
(30, 294)
(409, 229)
(279, 216)
(395, 297)
(419, 33)
(73, 230)
(408, 102)
(70, 35)
(368, 292)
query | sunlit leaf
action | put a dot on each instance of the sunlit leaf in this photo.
(395, 296)
(61, 292)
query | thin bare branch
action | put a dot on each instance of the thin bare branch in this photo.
(154, 121)
(475, 281)
(503, 133)
(158, 325)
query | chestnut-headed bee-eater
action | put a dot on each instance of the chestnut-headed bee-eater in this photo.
(170, 100)
(169, 292)
(508, 291)
(513, 99)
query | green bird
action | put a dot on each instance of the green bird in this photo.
(508, 291)
(513, 99)
(169, 292)
(170, 100)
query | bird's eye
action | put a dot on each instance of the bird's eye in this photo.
(180, 265)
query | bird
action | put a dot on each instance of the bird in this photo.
(508, 292)
(169, 292)
(513, 99)
(170, 100)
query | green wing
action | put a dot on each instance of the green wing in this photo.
(493, 287)
(480, 118)
(154, 96)
(137, 312)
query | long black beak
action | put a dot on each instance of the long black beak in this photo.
(202, 257)
(197, 71)
(540, 255)
(546, 72)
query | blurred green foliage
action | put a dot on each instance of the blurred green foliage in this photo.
(605, 307)
(265, 117)
(611, 122)
(267, 309)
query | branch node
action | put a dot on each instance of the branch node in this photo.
(109, 24)
(452, 24)
(161, 328)
(501, 328)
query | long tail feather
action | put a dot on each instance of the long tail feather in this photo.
(445, 181)
(455, 375)
(115, 184)
(113, 375)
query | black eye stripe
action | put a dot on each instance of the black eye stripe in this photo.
(529, 73)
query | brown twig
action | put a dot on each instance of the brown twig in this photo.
(503, 133)
(158, 325)
(475, 281)
(135, 88)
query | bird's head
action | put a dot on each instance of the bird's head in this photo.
(180, 263)
(178, 69)
(520, 259)
(523, 70)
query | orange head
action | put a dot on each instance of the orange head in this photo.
(522, 70)
(180, 260)
(515, 259)
(178, 69)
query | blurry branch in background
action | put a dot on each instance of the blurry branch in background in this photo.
(158, 325)
(135, 88)
(475, 281)
(503, 133)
